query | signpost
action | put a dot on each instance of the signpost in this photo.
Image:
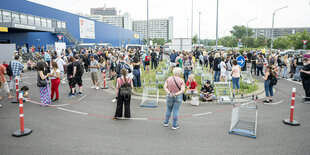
(305, 42)
(241, 61)
(59, 37)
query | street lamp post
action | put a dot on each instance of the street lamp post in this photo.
(147, 25)
(119, 30)
(199, 29)
(187, 28)
(192, 21)
(271, 46)
(247, 25)
(217, 12)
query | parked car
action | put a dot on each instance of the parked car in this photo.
(288, 52)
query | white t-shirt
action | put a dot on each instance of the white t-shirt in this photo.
(57, 71)
(222, 66)
(60, 64)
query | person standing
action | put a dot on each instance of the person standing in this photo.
(223, 70)
(147, 60)
(86, 62)
(270, 73)
(45, 92)
(94, 65)
(78, 71)
(174, 87)
(299, 65)
(187, 66)
(47, 58)
(305, 76)
(235, 73)
(61, 63)
(285, 65)
(253, 62)
(136, 71)
(173, 56)
(123, 99)
(17, 68)
(4, 84)
(260, 65)
(55, 79)
(216, 67)
(154, 60)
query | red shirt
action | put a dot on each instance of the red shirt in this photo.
(193, 85)
(5, 65)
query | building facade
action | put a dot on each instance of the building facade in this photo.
(123, 21)
(103, 11)
(278, 32)
(158, 28)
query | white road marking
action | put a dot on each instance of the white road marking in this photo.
(77, 112)
(82, 97)
(202, 114)
(275, 103)
(293, 81)
(60, 105)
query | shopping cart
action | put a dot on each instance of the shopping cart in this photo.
(206, 76)
(198, 70)
(246, 77)
(160, 77)
(223, 92)
(244, 119)
(150, 94)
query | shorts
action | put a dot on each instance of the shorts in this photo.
(173, 64)
(78, 80)
(189, 92)
(223, 73)
(94, 76)
(202, 95)
(5, 87)
(147, 63)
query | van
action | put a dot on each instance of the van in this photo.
(136, 46)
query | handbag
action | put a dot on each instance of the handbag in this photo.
(183, 95)
(195, 101)
(40, 82)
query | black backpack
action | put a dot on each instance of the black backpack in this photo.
(9, 70)
(80, 68)
(273, 80)
(125, 89)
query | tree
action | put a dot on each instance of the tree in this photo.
(158, 41)
(194, 39)
(248, 41)
(281, 43)
(228, 41)
(296, 39)
(241, 31)
(260, 41)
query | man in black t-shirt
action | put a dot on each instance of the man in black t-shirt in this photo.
(70, 74)
(299, 65)
(207, 92)
(153, 59)
(253, 62)
(78, 71)
(305, 76)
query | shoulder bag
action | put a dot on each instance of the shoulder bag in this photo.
(40, 82)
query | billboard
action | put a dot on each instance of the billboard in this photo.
(60, 46)
(87, 28)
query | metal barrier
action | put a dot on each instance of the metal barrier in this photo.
(246, 77)
(223, 92)
(150, 94)
(160, 77)
(244, 119)
(206, 76)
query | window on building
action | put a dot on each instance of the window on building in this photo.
(43, 22)
(49, 23)
(23, 19)
(6, 16)
(58, 24)
(63, 25)
(30, 20)
(0, 16)
(37, 21)
(15, 18)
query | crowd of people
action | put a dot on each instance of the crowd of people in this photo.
(69, 66)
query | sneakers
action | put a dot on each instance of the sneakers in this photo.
(92, 87)
(79, 93)
(71, 95)
(307, 102)
(114, 100)
(175, 127)
(266, 101)
(97, 88)
(165, 125)
(55, 100)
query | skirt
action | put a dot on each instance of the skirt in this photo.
(45, 95)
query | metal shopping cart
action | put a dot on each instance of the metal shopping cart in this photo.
(160, 77)
(246, 77)
(150, 95)
(244, 119)
(223, 92)
(206, 76)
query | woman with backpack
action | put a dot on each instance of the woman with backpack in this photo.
(123, 91)
(270, 80)
(45, 92)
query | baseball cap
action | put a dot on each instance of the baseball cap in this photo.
(207, 82)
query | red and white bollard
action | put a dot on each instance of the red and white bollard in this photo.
(22, 131)
(291, 121)
(16, 85)
(104, 82)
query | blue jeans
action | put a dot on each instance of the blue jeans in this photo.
(297, 72)
(236, 83)
(137, 78)
(143, 64)
(261, 71)
(186, 74)
(284, 74)
(173, 105)
(268, 88)
(216, 76)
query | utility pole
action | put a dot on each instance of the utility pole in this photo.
(274, 13)
(217, 12)
(199, 29)
(147, 25)
(192, 22)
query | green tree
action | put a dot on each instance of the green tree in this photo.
(241, 31)
(296, 39)
(195, 39)
(260, 41)
(248, 42)
(158, 41)
(281, 43)
(228, 41)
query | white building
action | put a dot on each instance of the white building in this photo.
(123, 21)
(158, 28)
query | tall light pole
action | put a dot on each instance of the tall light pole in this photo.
(119, 31)
(271, 46)
(187, 27)
(192, 21)
(247, 25)
(199, 29)
(217, 12)
(147, 25)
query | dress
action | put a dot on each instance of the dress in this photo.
(45, 95)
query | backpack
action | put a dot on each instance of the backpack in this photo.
(9, 70)
(273, 80)
(125, 89)
(147, 58)
(80, 68)
(272, 60)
